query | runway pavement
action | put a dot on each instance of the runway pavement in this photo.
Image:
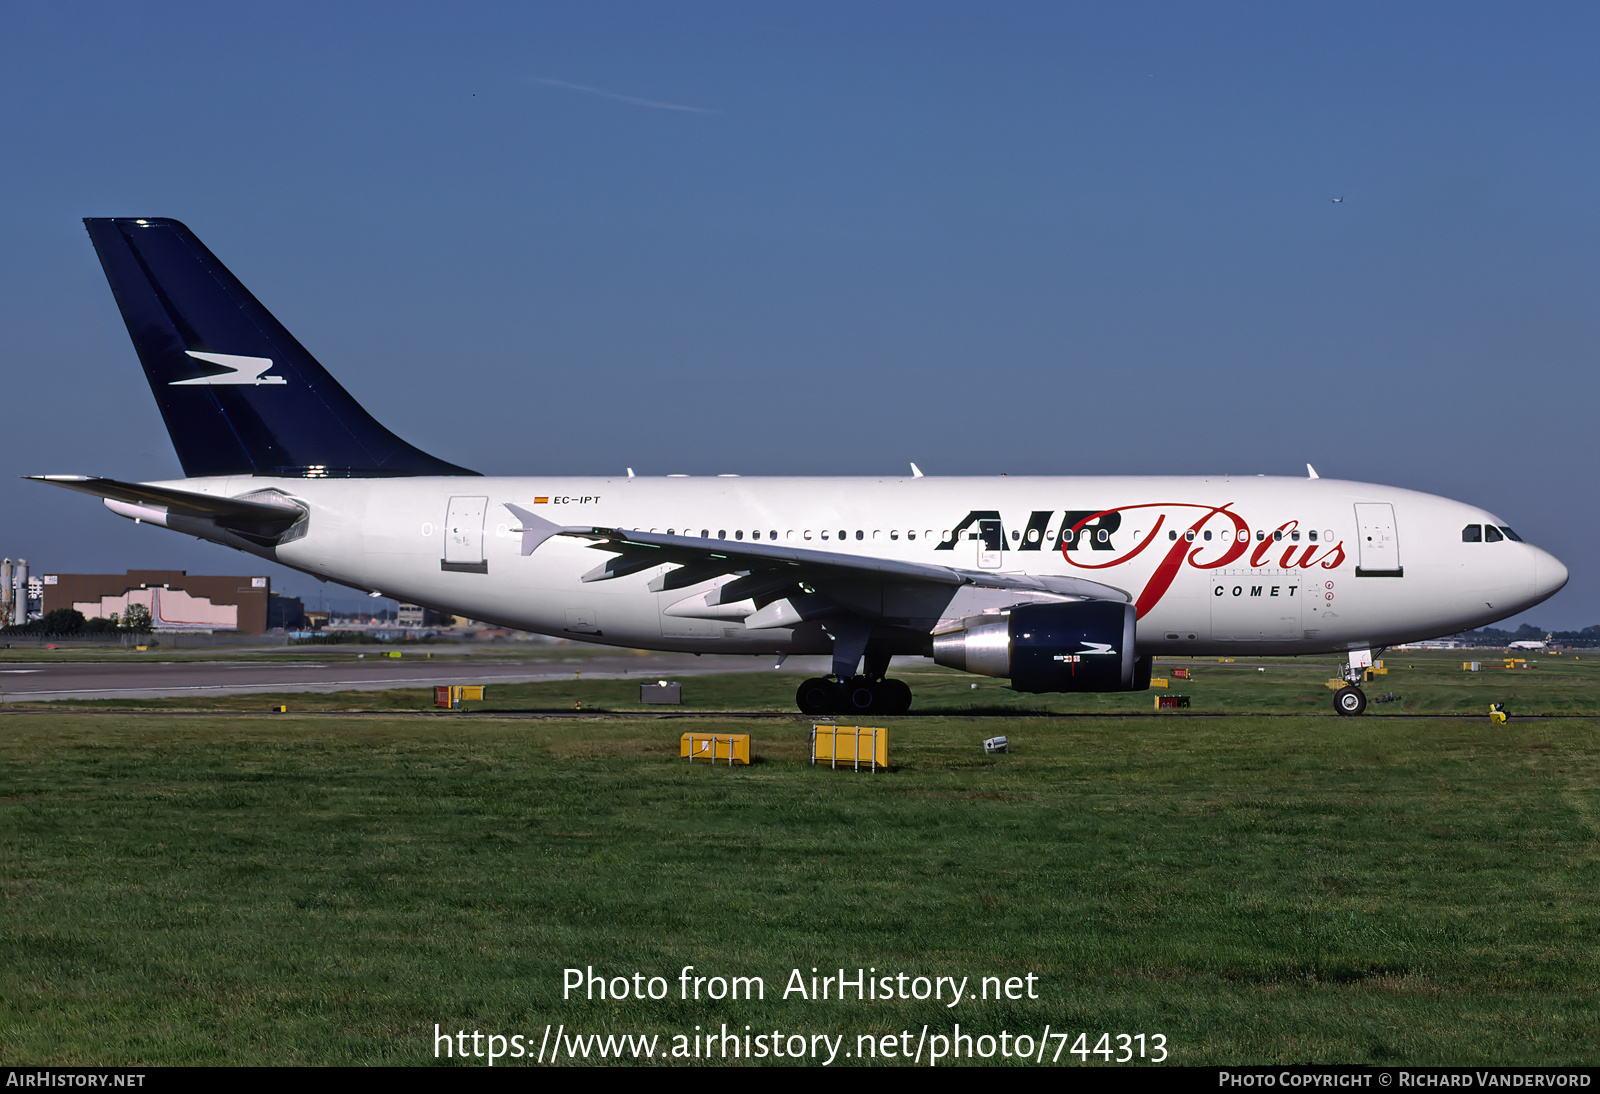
(123, 679)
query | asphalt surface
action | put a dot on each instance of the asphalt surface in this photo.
(31, 682)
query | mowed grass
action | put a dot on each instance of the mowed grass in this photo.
(249, 888)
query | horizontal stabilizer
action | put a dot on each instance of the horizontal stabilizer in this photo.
(183, 502)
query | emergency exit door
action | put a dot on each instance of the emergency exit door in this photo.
(463, 536)
(1377, 541)
(991, 542)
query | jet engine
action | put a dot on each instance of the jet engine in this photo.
(1080, 646)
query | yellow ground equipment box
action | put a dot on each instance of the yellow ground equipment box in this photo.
(1158, 681)
(450, 697)
(715, 748)
(855, 747)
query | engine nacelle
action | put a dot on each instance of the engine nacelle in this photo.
(1081, 646)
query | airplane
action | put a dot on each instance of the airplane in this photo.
(1057, 584)
(1528, 644)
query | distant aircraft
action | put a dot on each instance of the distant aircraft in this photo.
(1057, 584)
(1528, 644)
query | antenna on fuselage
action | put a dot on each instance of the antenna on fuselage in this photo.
(1311, 472)
(916, 472)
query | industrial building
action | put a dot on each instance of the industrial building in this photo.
(176, 600)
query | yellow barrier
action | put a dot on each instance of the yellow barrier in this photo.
(852, 746)
(715, 748)
(450, 696)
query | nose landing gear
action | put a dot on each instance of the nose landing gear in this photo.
(1350, 700)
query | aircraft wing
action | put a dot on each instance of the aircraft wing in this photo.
(767, 568)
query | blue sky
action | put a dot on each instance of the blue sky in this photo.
(831, 238)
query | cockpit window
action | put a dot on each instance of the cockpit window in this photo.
(1472, 533)
(1491, 534)
(1512, 536)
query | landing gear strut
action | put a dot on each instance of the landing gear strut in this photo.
(855, 695)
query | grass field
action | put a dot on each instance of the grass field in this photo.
(238, 887)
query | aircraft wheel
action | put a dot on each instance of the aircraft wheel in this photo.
(1350, 700)
(896, 697)
(815, 696)
(860, 696)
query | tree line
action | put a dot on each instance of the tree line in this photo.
(70, 623)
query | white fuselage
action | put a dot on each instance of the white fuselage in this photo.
(1216, 565)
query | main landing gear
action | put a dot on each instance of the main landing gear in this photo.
(845, 691)
(855, 695)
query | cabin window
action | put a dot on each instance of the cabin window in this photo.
(1260, 535)
(806, 535)
(705, 533)
(843, 534)
(1065, 536)
(1327, 535)
(1491, 534)
(773, 535)
(1312, 535)
(823, 533)
(722, 533)
(1277, 534)
(894, 533)
(860, 534)
(1472, 533)
(911, 533)
(1208, 537)
(1189, 535)
(739, 534)
(1295, 536)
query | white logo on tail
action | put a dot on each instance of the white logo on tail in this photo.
(246, 370)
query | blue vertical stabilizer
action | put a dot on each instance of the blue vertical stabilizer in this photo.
(239, 394)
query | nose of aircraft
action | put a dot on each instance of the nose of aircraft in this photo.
(1548, 574)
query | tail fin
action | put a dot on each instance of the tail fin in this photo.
(239, 395)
